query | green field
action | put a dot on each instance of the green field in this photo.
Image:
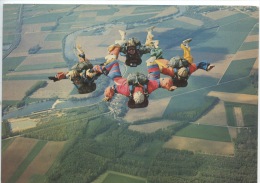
(250, 113)
(238, 69)
(215, 133)
(113, 177)
(189, 106)
(10, 64)
(250, 46)
(147, 9)
(44, 18)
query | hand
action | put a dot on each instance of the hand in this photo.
(173, 88)
(90, 73)
(210, 67)
(53, 78)
(107, 99)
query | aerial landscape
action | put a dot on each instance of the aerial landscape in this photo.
(204, 132)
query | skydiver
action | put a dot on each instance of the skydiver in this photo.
(180, 68)
(138, 90)
(78, 74)
(132, 48)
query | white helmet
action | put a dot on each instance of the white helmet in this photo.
(138, 97)
(183, 72)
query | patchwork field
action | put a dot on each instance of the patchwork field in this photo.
(18, 124)
(216, 116)
(201, 146)
(218, 60)
(112, 177)
(155, 109)
(43, 59)
(190, 20)
(151, 127)
(52, 72)
(43, 161)
(14, 155)
(245, 54)
(33, 28)
(215, 15)
(252, 38)
(28, 41)
(15, 90)
(234, 97)
(61, 89)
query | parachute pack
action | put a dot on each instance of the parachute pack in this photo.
(178, 62)
(136, 79)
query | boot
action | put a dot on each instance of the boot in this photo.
(186, 42)
(53, 78)
(150, 29)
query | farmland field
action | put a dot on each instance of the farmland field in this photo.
(11, 159)
(42, 162)
(201, 146)
(15, 90)
(204, 132)
(151, 127)
(114, 176)
(207, 132)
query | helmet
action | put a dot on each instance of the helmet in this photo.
(138, 97)
(183, 72)
(82, 55)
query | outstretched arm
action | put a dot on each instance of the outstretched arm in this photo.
(201, 65)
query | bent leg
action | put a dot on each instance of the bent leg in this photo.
(187, 53)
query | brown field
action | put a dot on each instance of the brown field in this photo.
(52, 72)
(93, 50)
(47, 45)
(18, 124)
(201, 146)
(168, 11)
(246, 54)
(43, 161)
(235, 97)
(151, 127)
(61, 89)
(216, 116)
(155, 109)
(190, 20)
(220, 14)
(28, 41)
(91, 8)
(255, 67)
(252, 38)
(43, 59)
(13, 156)
(15, 90)
(255, 14)
(239, 116)
(232, 132)
(32, 28)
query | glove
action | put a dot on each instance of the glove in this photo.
(53, 78)
(107, 99)
(210, 66)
